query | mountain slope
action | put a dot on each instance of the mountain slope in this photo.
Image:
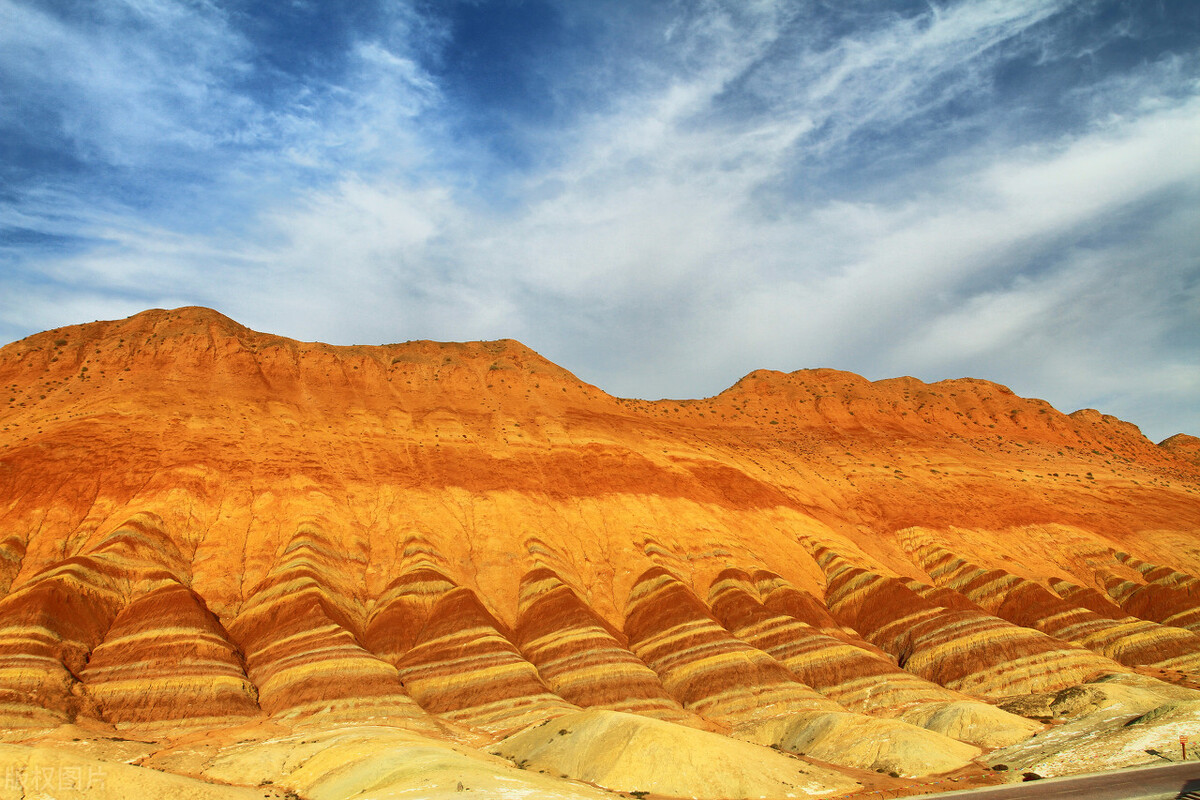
(206, 526)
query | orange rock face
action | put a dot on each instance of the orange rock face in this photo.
(199, 522)
(969, 651)
(581, 657)
(166, 658)
(1024, 602)
(858, 677)
(464, 667)
(711, 671)
(1166, 595)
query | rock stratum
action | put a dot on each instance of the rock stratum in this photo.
(234, 564)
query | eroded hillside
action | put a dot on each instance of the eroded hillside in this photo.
(210, 535)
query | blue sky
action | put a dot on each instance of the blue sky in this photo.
(660, 196)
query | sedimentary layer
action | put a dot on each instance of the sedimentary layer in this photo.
(969, 651)
(583, 659)
(1024, 602)
(709, 670)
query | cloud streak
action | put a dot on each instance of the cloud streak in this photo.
(994, 189)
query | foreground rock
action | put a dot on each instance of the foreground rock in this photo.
(630, 753)
(382, 763)
(972, 722)
(1129, 721)
(853, 740)
(31, 772)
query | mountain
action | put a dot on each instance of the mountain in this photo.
(214, 540)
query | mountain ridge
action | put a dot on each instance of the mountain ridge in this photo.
(157, 325)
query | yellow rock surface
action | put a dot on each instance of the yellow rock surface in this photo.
(626, 752)
(1112, 724)
(854, 740)
(30, 772)
(972, 722)
(383, 763)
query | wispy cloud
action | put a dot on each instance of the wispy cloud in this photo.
(1000, 189)
(124, 84)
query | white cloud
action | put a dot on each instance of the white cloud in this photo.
(664, 250)
(899, 69)
(140, 77)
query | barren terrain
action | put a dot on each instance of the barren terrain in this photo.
(238, 565)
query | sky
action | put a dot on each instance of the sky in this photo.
(659, 196)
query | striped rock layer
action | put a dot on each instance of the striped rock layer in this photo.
(462, 664)
(1087, 597)
(781, 597)
(1168, 596)
(581, 657)
(167, 658)
(50, 625)
(402, 610)
(1023, 602)
(115, 632)
(705, 667)
(941, 596)
(1157, 573)
(858, 679)
(969, 651)
(300, 632)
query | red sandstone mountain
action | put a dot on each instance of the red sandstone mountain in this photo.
(203, 525)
